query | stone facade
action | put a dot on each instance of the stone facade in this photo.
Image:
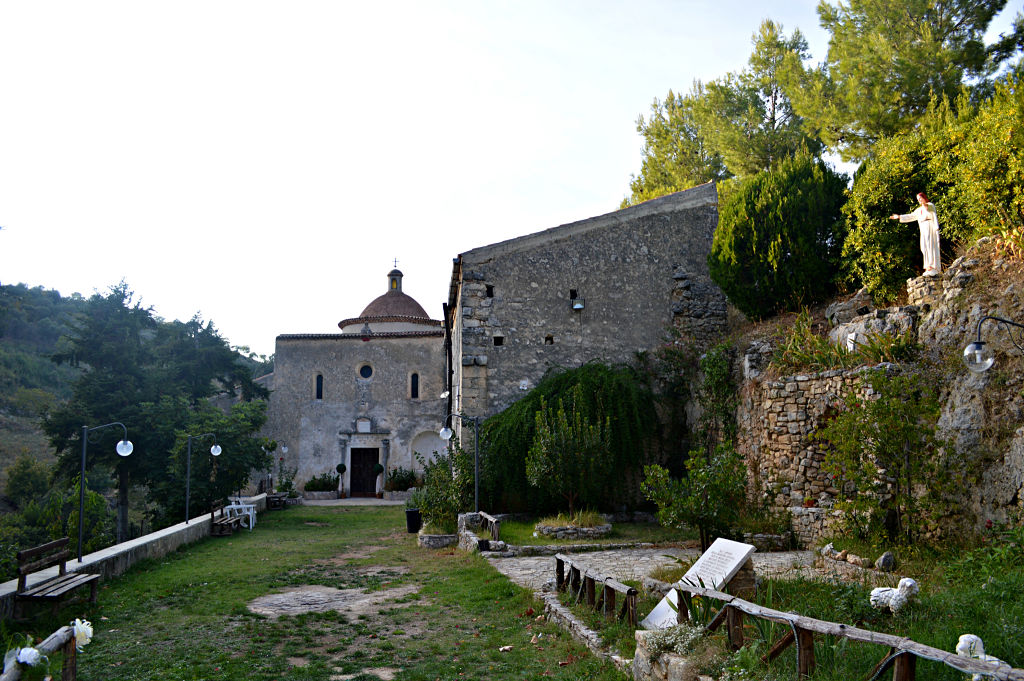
(602, 288)
(776, 420)
(367, 395)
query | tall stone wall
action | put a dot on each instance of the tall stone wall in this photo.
(599, 289)
(776, 420)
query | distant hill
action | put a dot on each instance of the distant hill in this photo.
(32, 324)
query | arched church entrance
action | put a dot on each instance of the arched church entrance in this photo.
(363, 481)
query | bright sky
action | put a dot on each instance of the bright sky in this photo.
(263, 163)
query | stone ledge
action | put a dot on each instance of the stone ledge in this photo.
(437, 541)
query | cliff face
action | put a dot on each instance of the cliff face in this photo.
(982, 416)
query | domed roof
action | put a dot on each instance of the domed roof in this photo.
(394, 304)
(391, 309)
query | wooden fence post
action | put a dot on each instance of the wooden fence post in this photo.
(559, 574)
(734, 624)
(805, 652)
(905, 667)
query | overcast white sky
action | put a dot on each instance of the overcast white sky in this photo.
(263, 163)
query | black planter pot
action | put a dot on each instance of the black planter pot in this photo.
(413, 521)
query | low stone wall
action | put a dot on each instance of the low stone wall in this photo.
(116, 560)
(811, 524)
(319, 496)
(437, 541)
(572, 532)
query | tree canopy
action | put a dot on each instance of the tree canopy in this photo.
(887, 59)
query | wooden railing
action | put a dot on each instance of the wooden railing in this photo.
(902, 655)
(582, 583)
(63, 638)
(489, 522)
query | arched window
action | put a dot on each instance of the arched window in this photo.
(319, 386)
(414, 386)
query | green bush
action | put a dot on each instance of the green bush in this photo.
(618, 393)
(325, 482)
(968, 159)
(27, 480)
(400, 479)
(447, 488)
(779, 237)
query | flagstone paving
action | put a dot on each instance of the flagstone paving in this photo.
(532, 572)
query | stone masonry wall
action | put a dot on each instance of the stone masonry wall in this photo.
(776, 419)
(633, 274)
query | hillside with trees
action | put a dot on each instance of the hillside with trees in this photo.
(71, 362)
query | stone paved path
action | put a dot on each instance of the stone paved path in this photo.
(533, 571)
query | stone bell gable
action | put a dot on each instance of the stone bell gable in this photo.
(603, 288)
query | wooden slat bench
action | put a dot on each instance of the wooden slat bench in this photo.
(276, 501)
(224, 524)
(55, 589)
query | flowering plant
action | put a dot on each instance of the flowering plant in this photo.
(83, 632)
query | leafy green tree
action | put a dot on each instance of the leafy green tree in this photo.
(746, 117)
(28, 479)
(886, 457)
(676, 154)
(709, 498)
(619, 393)
(570, 456)
(887, 59)
(151, 376)
(779, 237)
(447, 487)
(968, 159)
(212, 478)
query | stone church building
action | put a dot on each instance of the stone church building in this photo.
(603, 289)
(368, 395)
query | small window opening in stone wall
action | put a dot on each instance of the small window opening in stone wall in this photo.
(489, 289)
(549, 339)
(572, 293)
(499, 340)
(414, 386)
(319, 386)
(365, 371)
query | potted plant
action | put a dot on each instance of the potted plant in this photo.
(378, 468)
(341, 468)
(413, 519)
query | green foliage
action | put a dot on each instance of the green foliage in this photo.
(154, 377)
(618, 394)
(27, 480)
(570, 455)
(447, 487)
(801, 349)
(779, 237)
(886, 62)
(325, 482)
(717, 398)
(885, 456)
(400, 479)
(746, 117)
(676, 154)
(709, 498)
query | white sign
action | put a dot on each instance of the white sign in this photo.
(713, 569)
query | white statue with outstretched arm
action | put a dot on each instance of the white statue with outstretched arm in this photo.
(928, 222)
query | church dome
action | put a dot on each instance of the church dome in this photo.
(394, 304)
(394, 307)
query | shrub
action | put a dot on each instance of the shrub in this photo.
(325, 482)
(801, 349)
(447, 487)
(779, 237)
(400, 479)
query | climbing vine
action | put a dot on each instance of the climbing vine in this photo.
(618, 395)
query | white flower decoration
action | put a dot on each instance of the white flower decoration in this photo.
(83, 632)
(30, 656)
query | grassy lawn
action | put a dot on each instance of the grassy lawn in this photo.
(186, 617)
(520, 533)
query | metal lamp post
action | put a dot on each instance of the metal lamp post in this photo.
(123, 448)
(446, 435)
(977, 356)
(215, 450)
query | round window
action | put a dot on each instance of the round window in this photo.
(366, 371)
